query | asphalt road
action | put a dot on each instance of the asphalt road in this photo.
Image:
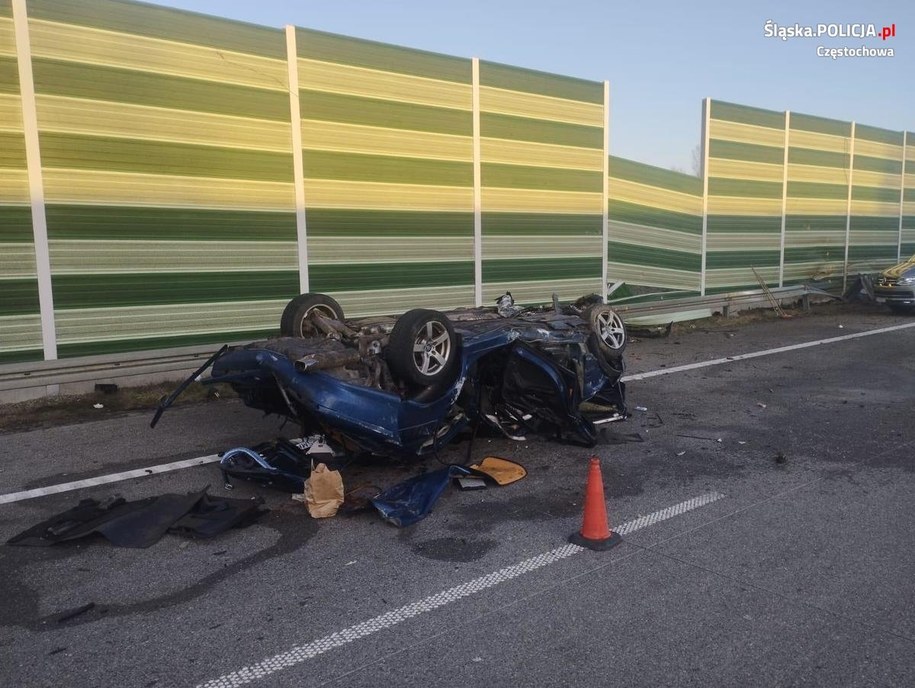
(767, 512)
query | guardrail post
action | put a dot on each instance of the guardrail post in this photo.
(36, 181)
(298, 165)
(905, 143)
(781, 248)
(851, 179)
(706, 117)
(477, 186)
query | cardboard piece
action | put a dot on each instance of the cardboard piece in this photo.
(323, 492)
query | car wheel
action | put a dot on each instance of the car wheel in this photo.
(294, 322)
(422, 349)
(611, 365)
(609, 328)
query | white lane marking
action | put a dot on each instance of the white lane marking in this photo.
(757, 354)
(139, 473)
(301, 653)
(104, 479)
(669, 512)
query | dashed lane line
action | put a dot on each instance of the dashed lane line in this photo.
(302, 653)
(104, 479)
(758, 354)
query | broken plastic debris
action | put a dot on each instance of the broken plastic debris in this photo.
(314, 444)
(510, 430)
(321, 447)
(681, 453)
(641, 408)
(502, 471)
(471, 483)
(700, 437)
(505, 305)
(760, 404)
(740, 442)
(98, 406)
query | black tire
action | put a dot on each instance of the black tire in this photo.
(294, 322)
(611, 336)
(611, 364)
(423, 349)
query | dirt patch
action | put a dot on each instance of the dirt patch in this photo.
(65, 410)
(720, 322)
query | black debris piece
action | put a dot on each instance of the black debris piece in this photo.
(651, 331)
(607, 436)
(142, 523)
(66, 616)
(359, 499)
(861, 288)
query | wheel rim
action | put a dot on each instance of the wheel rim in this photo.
(610, 329)
(324, 310)
(431, 348)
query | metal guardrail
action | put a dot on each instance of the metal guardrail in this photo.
(715, 302)
(45, 377)
(39, 378)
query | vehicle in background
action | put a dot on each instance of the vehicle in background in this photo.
(895, 287)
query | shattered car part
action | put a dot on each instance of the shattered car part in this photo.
(170, 399)
(505, 305)
(281, 464)
(413, 499)
(407, 386)
(502, 471)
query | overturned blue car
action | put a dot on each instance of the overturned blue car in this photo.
(405, 386)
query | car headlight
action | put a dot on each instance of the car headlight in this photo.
(906, 280)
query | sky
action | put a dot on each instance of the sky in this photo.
(661, 57)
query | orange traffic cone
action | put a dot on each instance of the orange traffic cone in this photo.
(595, 531)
